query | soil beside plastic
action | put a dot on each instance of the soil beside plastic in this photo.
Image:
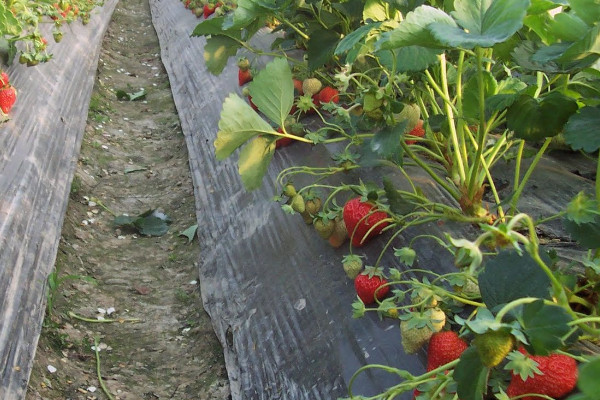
(133, 159)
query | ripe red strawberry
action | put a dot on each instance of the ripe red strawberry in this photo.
(298, 87)
(366, 285)
(360, 217)
(244, 76)
(559, 377)
(209, 10)
(3, 79)
(417, 131)
(8, 96)
(328, 94)
(443, 348)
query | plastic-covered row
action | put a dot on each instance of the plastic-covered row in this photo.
(39, 147)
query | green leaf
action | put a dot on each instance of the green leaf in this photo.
(588, 381)
(238, 124)
(413, 31)
(244, 14)
(481, 23)
(568, 27)
(350, 40)
(321, 46)
(587, 234)
(189, 233)
(148, 223)
(406, 255)
(582, 209)
(152, 225)
(544, 325)
(587, 10)
(498, 285)
(217, 51)
(398, 204)
(471, 375)
(581, 131)
(586, 46)
(409, 58)
(208, 27)
(387, 143)
(255, 157)
(123, 95)
(376, 10)
(535, 119)
(471, 93)
(272, 90)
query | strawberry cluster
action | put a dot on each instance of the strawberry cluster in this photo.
(202, 8)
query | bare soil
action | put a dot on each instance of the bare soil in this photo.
(133, 159)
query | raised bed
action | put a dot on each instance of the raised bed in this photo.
(39, 148)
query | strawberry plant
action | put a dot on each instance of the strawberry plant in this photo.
(453, 88)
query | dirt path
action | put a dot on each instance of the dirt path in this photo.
(133, 159)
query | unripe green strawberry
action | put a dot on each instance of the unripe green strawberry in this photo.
(312, 207)
(469, 289)
(289, 190)
(493, 346)
(437, 317)
(243, 64)
(297, 203)
(311, 86)
(324, 226)
(414, 338)
(423, 296)
(558, 378)
(352, 265)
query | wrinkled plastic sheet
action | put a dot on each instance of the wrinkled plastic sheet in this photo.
(39, 148)
(279, 300)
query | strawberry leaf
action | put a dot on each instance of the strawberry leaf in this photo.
(588, 381)
(581, 131)
(217, 50)
(238, 124)
(349, 41)
(498, 285)
(471, 375)
(544, 325)
(535, 119)
(255, 157)
(189, 233)
(586, 234)
(272, 91)
(582, 209)
(587, 10)
(321, 46)
(471, 93)
(413, 30)
(481, 23)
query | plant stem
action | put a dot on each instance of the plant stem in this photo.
(536, 160)
(98, 372)
(91, 320)
(474, 184)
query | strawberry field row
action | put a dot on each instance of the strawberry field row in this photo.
(460, 91)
